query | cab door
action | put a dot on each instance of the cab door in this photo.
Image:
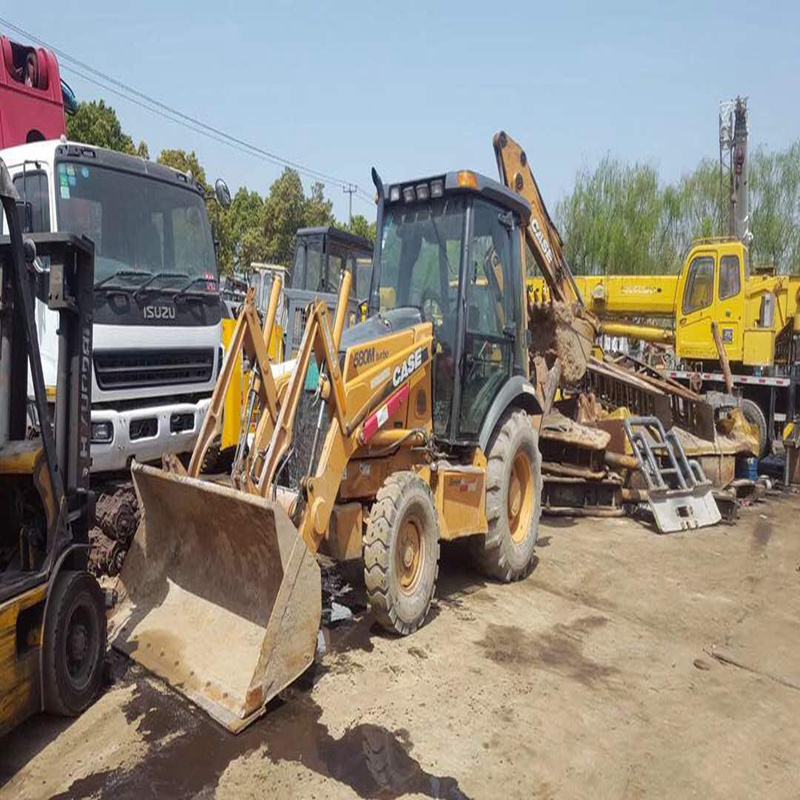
(729, 304)
(693, 337)
(490, 319)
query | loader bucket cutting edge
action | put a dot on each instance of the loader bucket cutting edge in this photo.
(218, 595)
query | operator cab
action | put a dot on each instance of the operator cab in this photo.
(449, 252)
(320, 256)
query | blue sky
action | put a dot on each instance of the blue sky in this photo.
(414, 88)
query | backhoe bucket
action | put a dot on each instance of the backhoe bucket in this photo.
(219, 595)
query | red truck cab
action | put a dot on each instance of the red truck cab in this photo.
(32, 100)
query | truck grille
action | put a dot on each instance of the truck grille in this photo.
(133, 369)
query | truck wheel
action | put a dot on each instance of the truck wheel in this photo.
(74, 644)
(755, 416)
(513, 501)
(401, 553)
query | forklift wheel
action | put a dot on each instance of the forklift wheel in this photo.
(513, 501)
(74, 644)
(401, 553)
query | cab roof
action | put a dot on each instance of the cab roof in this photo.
(53, 149)
(337, 235)
(483, 185)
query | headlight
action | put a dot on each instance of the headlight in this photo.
(422, 192)
(437, 189)
(394, 194)
(102, 433)
(408, 194)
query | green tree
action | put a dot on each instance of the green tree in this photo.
(774, 184)
(610, 221)
(361, 227)
(284, 212)
(318, 211)
(248, 230)
(620, 218)
(185, 162)
(97, 124)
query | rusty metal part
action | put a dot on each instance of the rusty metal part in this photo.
(630, 494)
(728, 504)
(219, 595)
(571, 496)
(644, 394)
(552, 468)
(723, 357)
(106, 555)
(570, 511)
(621, 461)
(117, 512)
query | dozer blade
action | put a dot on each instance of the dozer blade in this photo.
(219, 595)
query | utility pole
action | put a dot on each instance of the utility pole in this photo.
(733, 167)
(350, 189)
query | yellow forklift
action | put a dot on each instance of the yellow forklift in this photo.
(52, 611)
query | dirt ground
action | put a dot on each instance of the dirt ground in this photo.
(628, 665)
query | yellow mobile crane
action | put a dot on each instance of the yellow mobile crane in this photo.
(716, 309)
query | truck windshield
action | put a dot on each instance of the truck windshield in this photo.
(420, 254)
(138, 224)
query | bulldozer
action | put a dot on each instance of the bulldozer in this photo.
(423, 428)
(52, 612)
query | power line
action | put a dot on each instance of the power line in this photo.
(174, 115)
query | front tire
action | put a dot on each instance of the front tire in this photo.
(401, 553)
(513, 501)
(74, 644)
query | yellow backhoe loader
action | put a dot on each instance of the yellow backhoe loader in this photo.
(423, 430)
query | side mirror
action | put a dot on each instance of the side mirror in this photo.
(222, 193)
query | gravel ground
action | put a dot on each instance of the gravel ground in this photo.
(627, 665)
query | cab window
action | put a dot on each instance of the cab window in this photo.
(336, 260)
(699, 284)
(313, 275)
(32, 188)
(729, 277)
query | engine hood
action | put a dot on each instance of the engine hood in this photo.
(380, 325)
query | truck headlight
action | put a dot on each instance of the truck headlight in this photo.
(102, 433)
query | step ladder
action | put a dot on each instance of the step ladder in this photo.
(678, 492)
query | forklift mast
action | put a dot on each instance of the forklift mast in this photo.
(58, 270)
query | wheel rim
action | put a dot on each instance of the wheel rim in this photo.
(520, 497)
(79, 647)
(409, 554)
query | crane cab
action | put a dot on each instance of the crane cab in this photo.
(711, 287)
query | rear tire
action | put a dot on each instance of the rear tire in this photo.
(755, 416)
(401, 553)
(74, 644)
(513, 501)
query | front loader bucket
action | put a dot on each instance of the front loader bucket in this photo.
(219, 595)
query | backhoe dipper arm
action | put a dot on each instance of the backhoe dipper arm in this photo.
(541, 233)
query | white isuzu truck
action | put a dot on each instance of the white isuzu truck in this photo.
(157, 310)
